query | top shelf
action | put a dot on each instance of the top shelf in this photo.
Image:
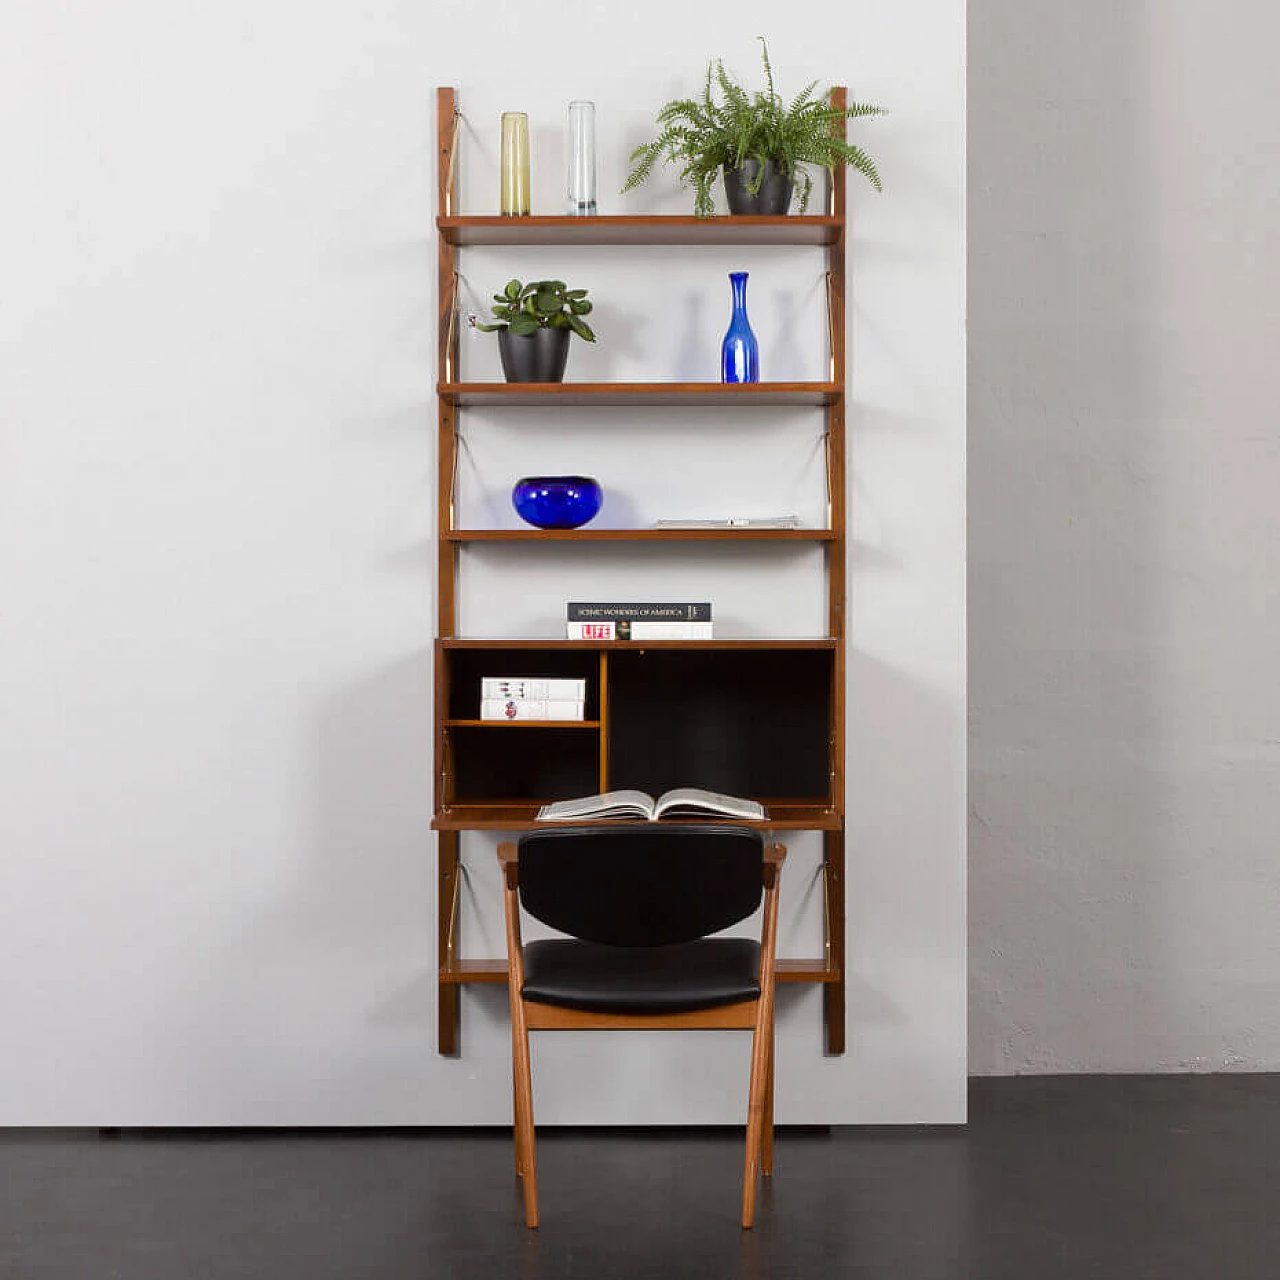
(809, 229)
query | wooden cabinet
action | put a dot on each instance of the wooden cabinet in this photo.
(760, 718)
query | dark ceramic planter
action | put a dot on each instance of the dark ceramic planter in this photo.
(536, 357)
(772, 200)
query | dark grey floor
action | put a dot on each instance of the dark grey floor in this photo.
(1124, 1177)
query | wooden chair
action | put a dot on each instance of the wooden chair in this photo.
(638, 902)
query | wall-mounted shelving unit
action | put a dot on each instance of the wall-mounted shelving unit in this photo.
(658, 713)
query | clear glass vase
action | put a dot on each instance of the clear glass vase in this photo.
(739, 352)
(580, 159)
(514, 198)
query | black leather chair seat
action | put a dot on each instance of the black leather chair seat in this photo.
(688, 975)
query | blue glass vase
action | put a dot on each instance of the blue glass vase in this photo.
(556, 502)
(739, 352)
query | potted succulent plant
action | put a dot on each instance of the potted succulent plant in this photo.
(534, 322)
(757, 140)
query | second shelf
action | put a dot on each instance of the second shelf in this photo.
(595, 394)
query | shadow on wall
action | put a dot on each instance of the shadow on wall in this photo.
(1063, 837)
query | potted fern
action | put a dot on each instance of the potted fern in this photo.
(534, 322)
(758, 141)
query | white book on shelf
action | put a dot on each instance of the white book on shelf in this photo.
(530, 709)
(671, 631)
(733, 522)
(625, 630)
(563, 689)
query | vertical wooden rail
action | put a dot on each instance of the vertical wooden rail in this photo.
(448, 1019)
(602, 675)
(449, 869)
(833, 993)
(446, 369)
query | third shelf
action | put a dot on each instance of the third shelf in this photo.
(638, 535)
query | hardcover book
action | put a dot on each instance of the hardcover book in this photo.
(682, 802)
(590, 611)
(530, 709)
(564, 688)
(751, 522)
(625, 629)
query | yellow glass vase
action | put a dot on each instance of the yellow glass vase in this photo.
(515, 164)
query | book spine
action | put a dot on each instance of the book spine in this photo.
(670, 631)
(530, 709)
(592, 630)
(625, 630)
(563, 690)
(653, 611)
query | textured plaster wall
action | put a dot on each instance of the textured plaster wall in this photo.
(1124, 305)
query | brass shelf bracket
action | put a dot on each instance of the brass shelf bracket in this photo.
(453, 155)
(453, 916)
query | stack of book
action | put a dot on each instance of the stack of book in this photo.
(653, 620)
(526, 698)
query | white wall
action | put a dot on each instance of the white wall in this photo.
(1125, 710)
(216, 872)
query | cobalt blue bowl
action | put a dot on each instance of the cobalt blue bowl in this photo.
(556, 502)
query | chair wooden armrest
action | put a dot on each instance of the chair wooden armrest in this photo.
(774, 856)
(509, 861)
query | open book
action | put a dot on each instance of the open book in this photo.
(683, 802)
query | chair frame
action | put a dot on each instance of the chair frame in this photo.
(755, 1015)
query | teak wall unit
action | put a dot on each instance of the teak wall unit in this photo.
(786, 748)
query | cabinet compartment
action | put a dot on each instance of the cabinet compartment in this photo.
(522, 762)
(464, 669)
(750, 723)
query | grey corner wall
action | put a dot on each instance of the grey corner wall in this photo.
(1124, 306)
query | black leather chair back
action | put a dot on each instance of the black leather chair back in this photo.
(648, 884)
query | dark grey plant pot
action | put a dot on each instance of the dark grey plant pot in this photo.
(772, 200)
(536, 357)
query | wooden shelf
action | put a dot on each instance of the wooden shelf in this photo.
(523, 724)
(646, 229)
(456, 642)
(638, 535)
(760, 717)
(464, 971)
(715, 395)
(520, 817)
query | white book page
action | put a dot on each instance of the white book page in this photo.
(607, 804)
(695, 800)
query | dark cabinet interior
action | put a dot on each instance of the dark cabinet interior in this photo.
(751, 723)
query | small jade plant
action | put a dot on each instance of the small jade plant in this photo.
(540, 304)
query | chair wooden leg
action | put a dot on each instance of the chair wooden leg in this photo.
(755, 1123)
(517, 1125)
(766, 1136)
(526, 1157)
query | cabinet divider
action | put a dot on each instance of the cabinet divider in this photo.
(603, 677)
